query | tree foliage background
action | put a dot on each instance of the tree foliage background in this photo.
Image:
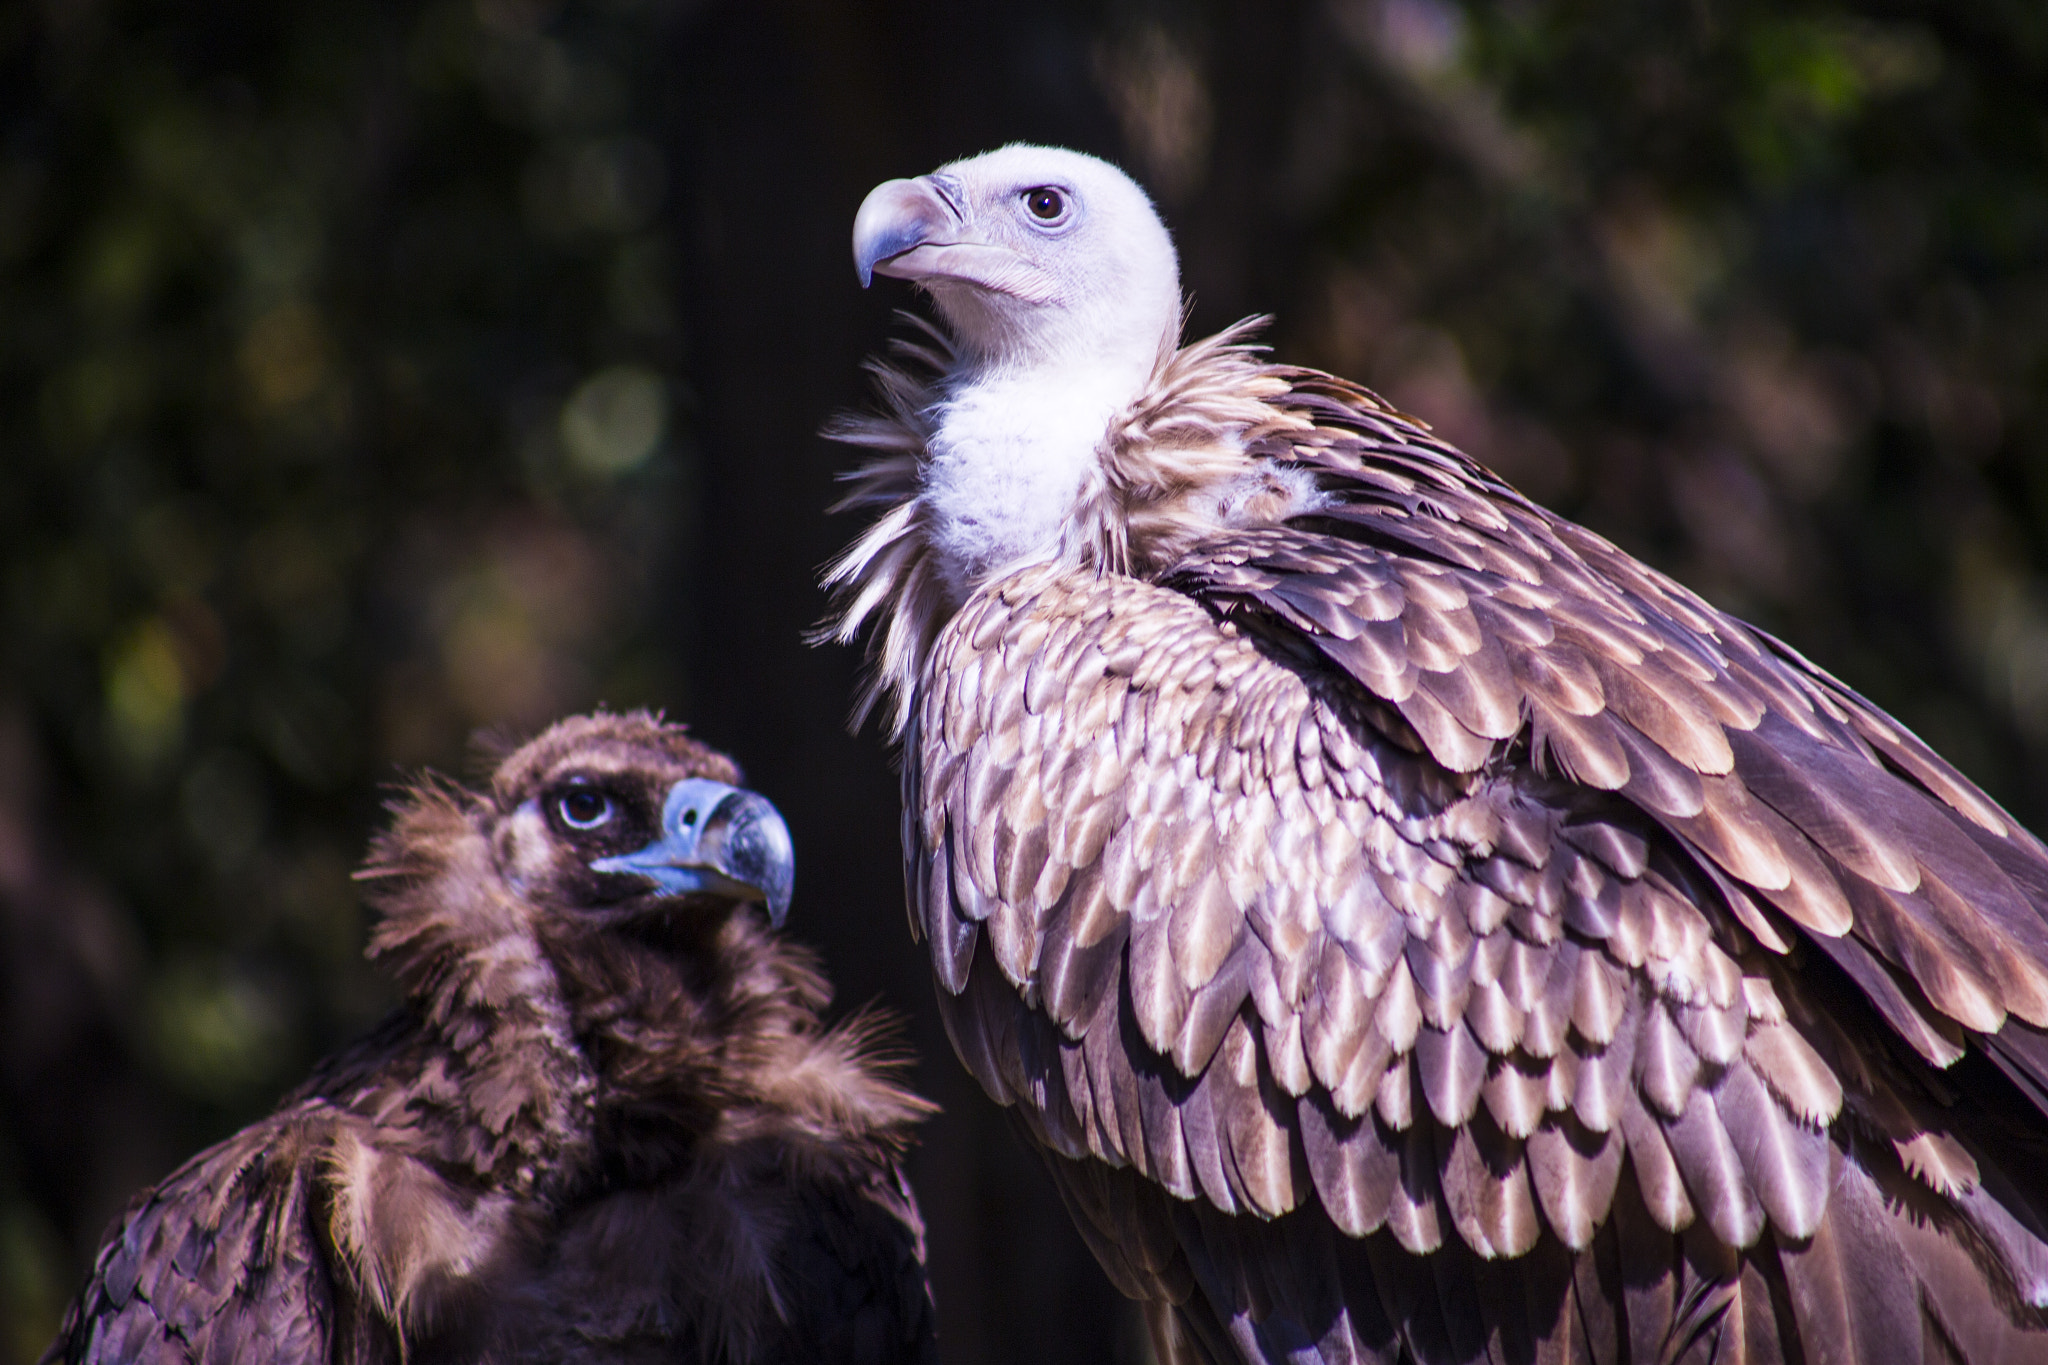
(371, 372)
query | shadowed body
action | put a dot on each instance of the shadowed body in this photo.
(607, 1125)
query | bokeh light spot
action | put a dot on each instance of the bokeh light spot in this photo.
(284, 355)
(614, 421)
(145, 692)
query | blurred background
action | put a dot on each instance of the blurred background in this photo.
(371, 372)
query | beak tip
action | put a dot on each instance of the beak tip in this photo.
(759, 853)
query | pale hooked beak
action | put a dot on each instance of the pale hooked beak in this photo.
(720, 840)
(920, 230)
(897, 217)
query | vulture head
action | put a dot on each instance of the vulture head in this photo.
(1061, 421)
(1060, 293)
(1034, 256)
(615, 820)
(597, 898)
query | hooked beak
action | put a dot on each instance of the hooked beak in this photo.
(898, 217)
(717, 839)
(919, 230)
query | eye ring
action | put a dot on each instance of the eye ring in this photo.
(1046, 203)
(585, 808)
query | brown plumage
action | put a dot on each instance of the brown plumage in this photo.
(607, 1124)
(1413, 929)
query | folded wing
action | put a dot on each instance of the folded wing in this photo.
(1427, 875)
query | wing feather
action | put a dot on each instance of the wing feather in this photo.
(1487, 1189)
(1430, 865)
(225, 1259)
(1353, 1161)
(1451, 1066)
(1575, 1171)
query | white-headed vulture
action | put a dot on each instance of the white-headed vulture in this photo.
(1413, 929)
(606, 1125)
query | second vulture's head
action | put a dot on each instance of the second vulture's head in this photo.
(1034, 255)
(606, 838)
(620, 816)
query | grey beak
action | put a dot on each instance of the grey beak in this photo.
(899, 216)
(717, 839)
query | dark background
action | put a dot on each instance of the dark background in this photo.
(374, 372)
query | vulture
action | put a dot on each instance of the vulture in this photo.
(1410, 928)
(605, 1125)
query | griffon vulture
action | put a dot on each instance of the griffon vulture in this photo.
(1412, 929)
(606, 1124)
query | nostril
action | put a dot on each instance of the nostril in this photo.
(951, 192)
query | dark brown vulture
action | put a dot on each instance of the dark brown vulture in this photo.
(1412, 929)
(606, 1125)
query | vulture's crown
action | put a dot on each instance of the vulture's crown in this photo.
(607, 1123)
(1414, 930)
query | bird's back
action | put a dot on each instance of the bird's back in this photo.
(223, 1260)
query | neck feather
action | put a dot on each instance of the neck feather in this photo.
(1012, 456)
(985, 470)
(483, 988)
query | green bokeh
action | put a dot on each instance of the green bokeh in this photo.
(374, 372)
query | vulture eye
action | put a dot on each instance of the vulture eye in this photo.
(1047, 204)
(586, 808)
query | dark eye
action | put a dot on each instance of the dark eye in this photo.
(586, 808)
(1045, 203)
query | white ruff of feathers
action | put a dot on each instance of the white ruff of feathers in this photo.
(1117, 484)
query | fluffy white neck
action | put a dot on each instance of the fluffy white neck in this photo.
(1009, 461)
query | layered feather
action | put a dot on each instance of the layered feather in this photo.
(1401, 862)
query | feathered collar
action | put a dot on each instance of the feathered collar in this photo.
(1177, 464)
(551, 1031)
